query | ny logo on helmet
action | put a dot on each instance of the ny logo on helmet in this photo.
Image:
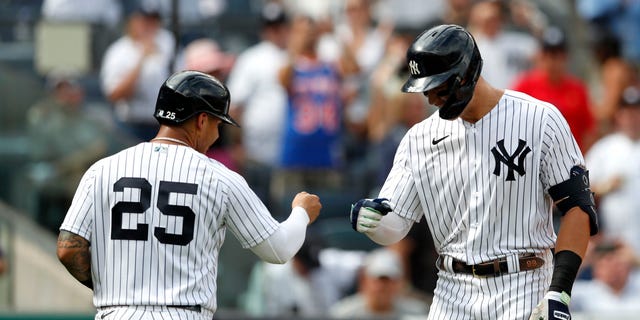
(413, 67)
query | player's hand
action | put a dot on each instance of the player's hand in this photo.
(554, 306)
(310, 203)
(366, 213)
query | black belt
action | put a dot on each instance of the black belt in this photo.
(493, 268)
(195, 308)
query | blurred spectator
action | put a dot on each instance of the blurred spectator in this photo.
(192, 12)
(380, 292)
(505, 53)
(4, 265)
(391, 113)
(614, 177)
(205, 55)
(526, 17)
(362, 38)
(259, 101)
(615, 74)
(419, 257)
(620, 17)
(133, 69)
(413, 14)
(64, 142)
(311, 151)
(615, 288)
(456, 12)
(356, 36)
(302, 288)
(99, 12)
(551, 81)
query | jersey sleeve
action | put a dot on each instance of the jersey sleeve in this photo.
(399, 187)
(560, 150)
(79, 218)
(247, 217)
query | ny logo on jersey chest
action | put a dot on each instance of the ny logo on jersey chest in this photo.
(502, 156)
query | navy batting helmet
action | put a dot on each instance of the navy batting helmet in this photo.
(187, 93)
(445, 54)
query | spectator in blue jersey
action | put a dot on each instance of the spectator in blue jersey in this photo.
(311, 150)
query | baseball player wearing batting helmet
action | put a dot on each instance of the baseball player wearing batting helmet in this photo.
(146, 224)
(485, 171)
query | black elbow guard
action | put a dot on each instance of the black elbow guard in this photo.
(575, 192)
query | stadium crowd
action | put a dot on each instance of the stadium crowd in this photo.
(315, 86)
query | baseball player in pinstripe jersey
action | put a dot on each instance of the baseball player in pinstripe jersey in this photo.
(146, 224)
(485, 171)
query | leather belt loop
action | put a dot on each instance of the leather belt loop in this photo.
(513, 263)
(496, 268)
(447, 263)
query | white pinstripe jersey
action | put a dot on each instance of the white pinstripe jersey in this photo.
(482, 187)
(156, 216)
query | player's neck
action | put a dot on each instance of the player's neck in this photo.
(169, 135)
(485, 98)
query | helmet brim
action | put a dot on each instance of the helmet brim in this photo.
(426, 83)
(228, 120)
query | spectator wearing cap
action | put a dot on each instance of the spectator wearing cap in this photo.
(380, 292)
(614, 291)
(615, 175)
(133, 69)
(304, 287)
(64, 142)
(550, 81)
(259, 101)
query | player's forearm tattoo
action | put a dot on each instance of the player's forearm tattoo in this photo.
(77, 259)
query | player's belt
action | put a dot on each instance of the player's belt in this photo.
(195, 308)
(493, 268)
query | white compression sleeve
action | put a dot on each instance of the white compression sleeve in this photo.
(392, 228)
(283, 244)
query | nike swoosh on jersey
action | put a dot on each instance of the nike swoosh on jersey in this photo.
(436, 141)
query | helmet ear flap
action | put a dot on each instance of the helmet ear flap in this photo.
(461, 91)
(452, 108)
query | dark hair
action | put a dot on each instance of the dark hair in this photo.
(606, 45)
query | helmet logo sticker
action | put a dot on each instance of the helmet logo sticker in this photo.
(413, 67)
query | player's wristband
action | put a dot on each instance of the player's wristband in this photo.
(565, 271)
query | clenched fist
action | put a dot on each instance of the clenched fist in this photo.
(310, 203)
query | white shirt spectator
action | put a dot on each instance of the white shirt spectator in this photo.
(505, 56)
(608, 158)
(409, 13)
(596, 298)
(255, 88)
(120, 58)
